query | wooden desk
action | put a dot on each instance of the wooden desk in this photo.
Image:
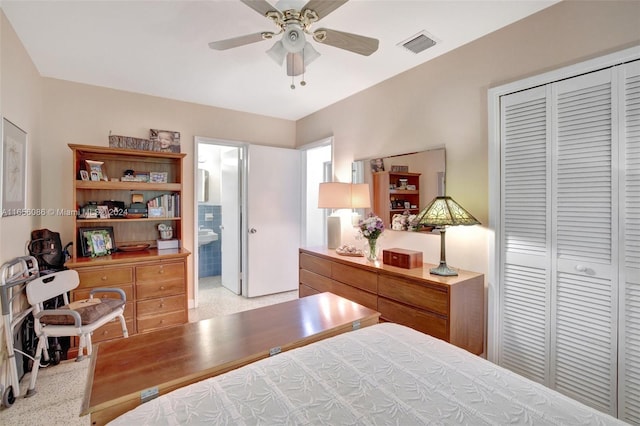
(124, 371)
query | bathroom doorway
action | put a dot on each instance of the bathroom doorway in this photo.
(219, 206)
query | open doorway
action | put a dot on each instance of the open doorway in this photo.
(240, 215)
(218, 217)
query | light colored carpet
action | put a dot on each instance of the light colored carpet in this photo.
(60, 388)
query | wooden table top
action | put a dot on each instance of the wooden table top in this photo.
(174, 357)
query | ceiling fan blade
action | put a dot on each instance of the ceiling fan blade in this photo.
(347, 41)
(260, 6)
(240, 41)
(323, 7)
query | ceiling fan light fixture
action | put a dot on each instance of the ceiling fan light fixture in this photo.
(293, 39)
(295, 64)
(309, 54)
(277, 53)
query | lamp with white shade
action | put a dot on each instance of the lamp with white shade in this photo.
(334, 195)
(360, 199)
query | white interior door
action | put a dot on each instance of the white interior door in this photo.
(230, 233)
(273, 222)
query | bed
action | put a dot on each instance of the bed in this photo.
(383, 374)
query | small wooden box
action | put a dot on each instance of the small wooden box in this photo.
(402, 258)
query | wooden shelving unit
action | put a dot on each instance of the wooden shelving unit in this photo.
(389, 198)
(154, 281)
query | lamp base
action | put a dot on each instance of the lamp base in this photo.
(334, 232)
(444, 270)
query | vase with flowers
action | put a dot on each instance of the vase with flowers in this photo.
(371, 228)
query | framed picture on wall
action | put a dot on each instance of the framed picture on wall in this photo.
(14, 169)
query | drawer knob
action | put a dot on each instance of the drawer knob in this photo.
(161, 271)
(104, 278)
(162, 305)
(161, 287)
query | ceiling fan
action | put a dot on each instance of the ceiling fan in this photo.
(294, 24)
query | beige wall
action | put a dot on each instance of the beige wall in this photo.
(444, 103)
(83, 114)
(20, 103)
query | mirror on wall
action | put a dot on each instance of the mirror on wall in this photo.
(402, 185)
(203, 185)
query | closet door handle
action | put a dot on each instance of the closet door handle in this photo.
(581, 268)
(253, 230)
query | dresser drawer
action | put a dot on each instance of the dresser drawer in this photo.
(319, 282)
(160, 272)
(315, 264)
(425, 322)
(105, 277)
(305, 290)
(159, 288)
(112, 330)
(160, 306)
(415, 294)
(83, 293)
(365, 280)
(160, 321)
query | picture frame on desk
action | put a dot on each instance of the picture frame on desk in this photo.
(96, 241)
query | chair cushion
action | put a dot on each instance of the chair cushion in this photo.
(90, 310)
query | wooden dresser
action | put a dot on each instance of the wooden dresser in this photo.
(449, 308)
(155, 286)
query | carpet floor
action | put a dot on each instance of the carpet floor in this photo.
(60, 388)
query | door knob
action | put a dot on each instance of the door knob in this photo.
(581, 268)
(253, 230)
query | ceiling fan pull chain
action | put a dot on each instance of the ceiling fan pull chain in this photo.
(304, 69)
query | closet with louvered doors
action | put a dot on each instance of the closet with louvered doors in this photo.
(569, 280)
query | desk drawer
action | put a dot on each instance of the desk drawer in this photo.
(160, 321)
(105, 277)
(160, 306)
(160, 272)
(415, 294)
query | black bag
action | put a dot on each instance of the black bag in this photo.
(46, 247)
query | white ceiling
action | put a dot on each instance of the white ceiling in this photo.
(161, 47)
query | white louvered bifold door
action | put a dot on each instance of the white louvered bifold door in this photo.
(629, 368)
(524, 302)
(584, 241)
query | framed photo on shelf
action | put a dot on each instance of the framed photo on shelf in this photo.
(84, 175)
(156, 212)
(377, 165)
(158, 177)
(94, 166)
(164, 140)
(96, 241)
(103, 212)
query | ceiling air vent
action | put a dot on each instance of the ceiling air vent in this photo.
(418, 42)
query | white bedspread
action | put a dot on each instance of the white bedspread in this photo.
(385, 374)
